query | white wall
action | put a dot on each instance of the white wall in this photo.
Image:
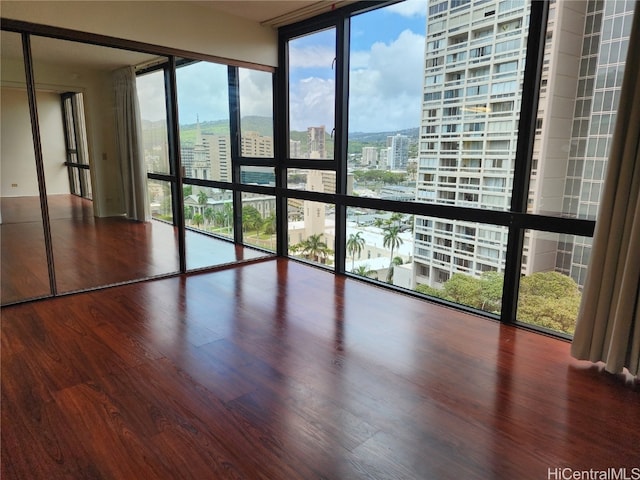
(182, 25)
(96, 86)
(17, 160)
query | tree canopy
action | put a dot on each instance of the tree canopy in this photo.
(381, 176)
(546, 299)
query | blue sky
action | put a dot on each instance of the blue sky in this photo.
(386, 75)
(386, 71)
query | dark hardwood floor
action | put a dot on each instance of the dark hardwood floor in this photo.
(278, 370)
(90, 252)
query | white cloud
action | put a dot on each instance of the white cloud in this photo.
(386, 85)
(312, 104)
(255, 93)
(310, 56)
(409, 8)
(385, 91)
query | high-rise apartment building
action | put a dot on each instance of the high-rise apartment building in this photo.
(473, 77)
(398, 151)
(474, 65)
(604, 50)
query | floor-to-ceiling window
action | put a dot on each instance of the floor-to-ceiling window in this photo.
(203, 142)
(453, 148)
(470, 141)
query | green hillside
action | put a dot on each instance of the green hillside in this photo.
(153, 131)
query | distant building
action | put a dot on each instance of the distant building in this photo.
(370, 156)
(316, 142)
(398, 148)
(256, 145)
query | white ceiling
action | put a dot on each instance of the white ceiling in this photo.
(272, 13)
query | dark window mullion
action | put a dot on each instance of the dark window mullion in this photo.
(281, 148)
(175, 163)
(234, 135)
(524, 152)
(341, 138)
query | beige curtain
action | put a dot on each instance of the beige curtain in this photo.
(608, 326)
(129, 140)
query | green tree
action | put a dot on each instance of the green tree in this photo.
(188, 212)
(428, 290)
(314, 248)
(355, 244)
(251, 219)
(550, 300)
(202, 198)
(224, 216)
(491, 286)
(187, 190)
(397, 218)
(197, 219)
(270, 224)
(392, 240)
(363, 271)
(209, 215)
(463, 289)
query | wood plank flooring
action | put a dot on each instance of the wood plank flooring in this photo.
(278, 370)
(91, 252)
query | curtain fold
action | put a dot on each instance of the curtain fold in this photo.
(608, 325)
(129, 144)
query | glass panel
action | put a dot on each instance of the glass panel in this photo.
(153, 113)
(311, 180)
(578, 103)
(471, 104)
(259, 220)
(311, 230)
(258, 175)
(209, 222)
(208, 209)
(553, 267)
(256, 113)
(312, 95)
(24, 263)
(208, 214)
(93, 243)
(462, 262)
(203, 108)
(160, 200)
(385, 96)
(379, 245)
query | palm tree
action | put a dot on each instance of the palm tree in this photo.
(391, 240)
(208, 215)
(355, 244)
(197, 219)
(363, 271)
(202, 198)
(314, 248)
(396, 217)
(251, 219)
(202, 201)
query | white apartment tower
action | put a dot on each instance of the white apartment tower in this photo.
(316, 142)
(474, 65)
(398, 148)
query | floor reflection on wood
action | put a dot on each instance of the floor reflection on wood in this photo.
(277, 370)
(90, 252)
